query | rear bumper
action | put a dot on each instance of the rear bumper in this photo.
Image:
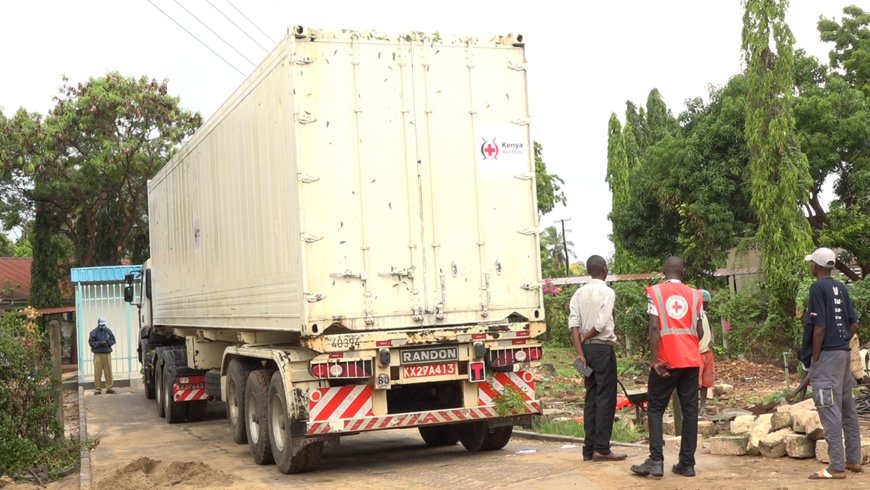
(418, 419)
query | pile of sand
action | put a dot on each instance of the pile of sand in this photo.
(146, 473)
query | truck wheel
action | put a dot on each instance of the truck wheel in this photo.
(308, 457)
(237, 380)
(441, 435)
(196, 410)
(257, 416)
(158, 384)
(147, 380)
(477, 436)
(175, 412)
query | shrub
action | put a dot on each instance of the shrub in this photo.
(28, 427)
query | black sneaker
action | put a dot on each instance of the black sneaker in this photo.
(649, 468)
(98, 392)
(110, 391)
(683, 469)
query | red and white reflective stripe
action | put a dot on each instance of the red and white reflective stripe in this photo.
(411, 419)
(521, 380)
(183, 394)
(343, 402)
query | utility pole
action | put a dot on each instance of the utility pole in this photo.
(565, 247)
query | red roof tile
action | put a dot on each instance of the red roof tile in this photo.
(15, 275)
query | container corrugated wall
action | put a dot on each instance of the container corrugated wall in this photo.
(376, 182)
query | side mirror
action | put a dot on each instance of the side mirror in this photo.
(128, 279)
(128, 294)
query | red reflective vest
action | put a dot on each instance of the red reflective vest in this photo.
(678, 306)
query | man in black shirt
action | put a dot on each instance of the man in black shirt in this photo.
(829, 323)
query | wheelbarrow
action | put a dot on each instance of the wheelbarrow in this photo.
(636, 399)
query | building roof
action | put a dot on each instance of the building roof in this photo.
(15, 276)
(112, 273)
(650, 276)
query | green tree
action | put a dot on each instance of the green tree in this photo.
(553, 252)
(7, 248)
(659, 120)
(548, 186)
(779, 177)
(81, 172)
(617, 178)
(851, 52)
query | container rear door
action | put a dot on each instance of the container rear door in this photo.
(406, 219)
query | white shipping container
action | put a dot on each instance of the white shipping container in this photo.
(359, 180)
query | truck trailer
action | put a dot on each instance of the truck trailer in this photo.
(350, 244)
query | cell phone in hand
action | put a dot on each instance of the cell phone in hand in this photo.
(582, 368)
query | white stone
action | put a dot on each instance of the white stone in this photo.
(742, 424)
(722, 389)
(800, 446)
(728, 445)
(780, 420)
(760, 429)
(773, 445)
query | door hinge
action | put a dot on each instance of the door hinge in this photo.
(311, 238)
(528, 231)
(314, 297)
(530, 287)
(517, 66)
(348, 274)
(307, 179)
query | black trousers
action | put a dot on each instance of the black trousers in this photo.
(600, 398)
(660, 388)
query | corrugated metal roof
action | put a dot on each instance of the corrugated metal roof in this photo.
(113, 273)
(15, 276)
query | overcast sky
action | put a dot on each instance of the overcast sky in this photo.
(584, 61)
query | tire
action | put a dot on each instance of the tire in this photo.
(158, 383)
(196, 410)
(308, 457)
(237, 380)
(148, 381)
(477, 436)
(175, 412)
(440, 435)
(257, 416)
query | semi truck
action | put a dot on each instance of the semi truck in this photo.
(350, 244)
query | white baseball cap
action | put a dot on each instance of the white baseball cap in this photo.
(824, 257)
(101, 321)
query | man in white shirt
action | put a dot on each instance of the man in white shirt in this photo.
(592, 332)
(707, 373)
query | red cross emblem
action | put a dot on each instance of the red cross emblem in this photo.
(677, 306)
(489, 149)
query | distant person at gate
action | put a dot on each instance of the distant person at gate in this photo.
(101, 340)
(675, 358)
(592, 332)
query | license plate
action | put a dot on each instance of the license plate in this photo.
(424, 370)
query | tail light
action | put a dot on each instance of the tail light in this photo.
(342, 369)
(507, 357)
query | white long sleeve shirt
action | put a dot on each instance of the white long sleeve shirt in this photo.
(591, 308)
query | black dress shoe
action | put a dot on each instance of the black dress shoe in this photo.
(611, 456)
(649, 468)
(683, 469)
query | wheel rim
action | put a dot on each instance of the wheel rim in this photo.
(276, 422)
(253, 419)
(233, 402)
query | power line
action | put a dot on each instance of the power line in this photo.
(237, 26)
(252, 22)
(215, 33)
(198, 39)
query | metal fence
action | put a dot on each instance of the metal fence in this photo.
(106, 300)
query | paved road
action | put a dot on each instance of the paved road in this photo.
(128, 427)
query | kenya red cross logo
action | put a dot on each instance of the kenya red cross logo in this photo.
(489, 149)
(677, 306)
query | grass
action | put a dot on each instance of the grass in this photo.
(623, 431)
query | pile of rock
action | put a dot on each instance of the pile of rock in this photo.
(793, 430)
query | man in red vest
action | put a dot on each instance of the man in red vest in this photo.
(674, 330)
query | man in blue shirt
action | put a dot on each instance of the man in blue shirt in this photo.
(101, 341)
(829, 324)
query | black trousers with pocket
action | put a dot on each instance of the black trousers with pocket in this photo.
(600, 406)
(659, 390)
